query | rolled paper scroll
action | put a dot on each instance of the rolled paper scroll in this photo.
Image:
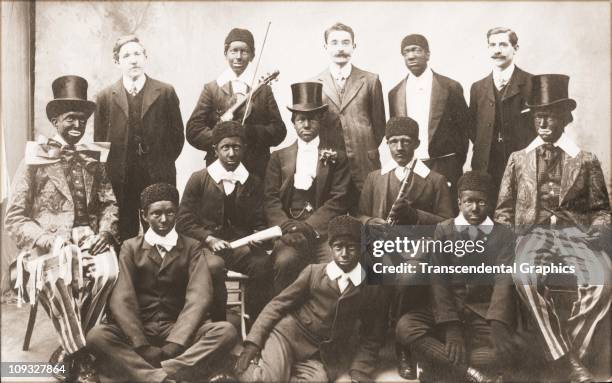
(270, 233)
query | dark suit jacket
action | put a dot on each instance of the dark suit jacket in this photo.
(264, 126)
(430, 196)
(162, 126)
(490, 296)
(361, 116)
(331, 183)
(312, 313)
(151, 292)
(482, 117)
(583, 194)
(448, 123)
(201, 211)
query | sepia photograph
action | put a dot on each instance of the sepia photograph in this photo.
(305, 191)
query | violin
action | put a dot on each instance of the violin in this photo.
(241, 99)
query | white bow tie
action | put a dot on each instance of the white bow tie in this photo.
(229, 180)
(343, 282)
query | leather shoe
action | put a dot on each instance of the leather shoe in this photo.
(60, 358)
(579, 373)
(85, 370)
(406, 368)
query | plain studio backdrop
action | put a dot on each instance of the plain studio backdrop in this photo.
(184, 43)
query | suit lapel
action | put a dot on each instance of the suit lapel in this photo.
(288, 162)
(514, 87)
(119, 97)
(354, 82)
(415, 189)
(322, 173)
(88, 180)
(329, 88)
(151, 93)
(489, 92)
(439, 94)
(530, 178)
(400, 99)
(57, 176)
(571, 170)
(152, 253)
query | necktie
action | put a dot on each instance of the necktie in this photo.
(500, 83)
(343, 282)
(340, 81)
(401, 172)
(161, 250)
(229, 182)
(133, 91)
(548, 152)
(475, 233)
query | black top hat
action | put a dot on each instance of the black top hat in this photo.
(307, 97)
(550, 90)
(69, 95)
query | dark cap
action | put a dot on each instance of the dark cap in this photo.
(415, 39)
(402, 126)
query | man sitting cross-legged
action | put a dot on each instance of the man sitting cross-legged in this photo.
(157, 332)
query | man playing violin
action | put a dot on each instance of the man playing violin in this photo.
(264, 127)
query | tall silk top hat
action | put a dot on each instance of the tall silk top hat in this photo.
(550, 90)
(307, 97)
(69, 95)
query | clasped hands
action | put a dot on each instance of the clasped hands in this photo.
(297, 234)
(155, 355)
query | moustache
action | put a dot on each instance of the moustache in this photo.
(498, 57)
(341, 55)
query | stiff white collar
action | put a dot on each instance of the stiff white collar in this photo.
(564, 142)
(485, 226)
(334, 272)
(503, 74)
(217, 172)
(168, 242)
(59, 139)
(419, 168)
(339, 72)
(129, 84)
(228, 75)
(425, 78)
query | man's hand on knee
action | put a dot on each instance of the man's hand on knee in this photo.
(249, 352)
(171, 350)
(455, 344)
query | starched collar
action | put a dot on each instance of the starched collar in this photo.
(217, 171)
(564, 142)
(338, 72)
(419, 168)
(355, 275)
(168, 241)
(462, 224)
(129, 84)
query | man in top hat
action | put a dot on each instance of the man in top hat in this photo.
(222, 203)
(264, 127)
(555, 196)
(426, 200)
(437, 104)
(141, 117)
(303, 333)
(498, 122)
(466, 332)
(306, 186)
(355, 119)
(62, 204)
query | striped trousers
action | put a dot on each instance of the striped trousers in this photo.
(593, 272)
(73, 288)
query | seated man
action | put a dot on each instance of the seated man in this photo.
(306, 185)
(222, 203)
(552, 184)
(157, 330)
(466, 331)
(425, 201)
(62, 202)
(303, 332)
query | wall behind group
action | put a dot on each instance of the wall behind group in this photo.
(184, 42)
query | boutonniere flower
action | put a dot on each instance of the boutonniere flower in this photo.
(328, 156)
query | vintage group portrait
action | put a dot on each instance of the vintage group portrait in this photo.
(284, 191)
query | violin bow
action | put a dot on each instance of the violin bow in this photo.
(263, 44)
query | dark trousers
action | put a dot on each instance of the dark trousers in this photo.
(117, 361)
(216, 267)
(257, 265)
(289, 261)
(137, 178)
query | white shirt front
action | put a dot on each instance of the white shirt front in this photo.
(502, 77)
(306, 163)
(168, 242)
(340, 74)
(229, 178)
(334, 272)
(132, 86)
(418, 102)
(564, 142)
(240, 83)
